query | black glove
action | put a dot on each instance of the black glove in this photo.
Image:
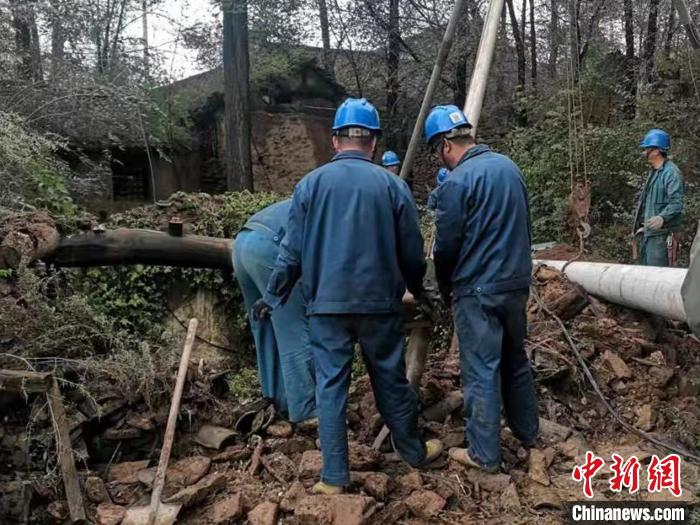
(261, 310)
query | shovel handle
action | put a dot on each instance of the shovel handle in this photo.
(159, 480)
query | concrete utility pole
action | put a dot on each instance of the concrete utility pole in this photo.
(482, 66)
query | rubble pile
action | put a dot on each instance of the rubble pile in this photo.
(233, 462)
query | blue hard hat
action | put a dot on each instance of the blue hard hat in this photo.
(357, 113)
(442, 175)
(443, 119)
(390, 159)
(657, 138)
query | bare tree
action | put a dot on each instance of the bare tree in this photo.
(553, 37)
(533, 45)
(629, 28)
(58, 36)
(650, 40)
(392, 70)
(239, 170)
(670, 32)
(26, 39)
(325, 37)
(519, 45)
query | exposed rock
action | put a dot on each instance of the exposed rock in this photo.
(552, 433)
(311, 464)
(123, 493)
(544, 498)
(227, 510)
(180, 474)
(645, 418)
(689, 386)
(453, 439)
(58, 510)
(425, 503)
(363, 457)
(490, 482)
(141, 422)
(281, 429)
(392, 513)
(95, 490)
(314, 510)
(411, 481)
(266, 513)
(293, 495)
(376, 484)
(334, 510)
(291, 446)
(280, 467)
(199, 491)
(108, 514)
(617, 365)
(233, 453)
(212, 436)
(126, 472)
(660, 377)
(537, 467)
(573, 447)
(510, 501)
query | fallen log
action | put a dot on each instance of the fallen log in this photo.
(132, 246)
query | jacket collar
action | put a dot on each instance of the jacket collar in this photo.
(473, 152)
(351, 154)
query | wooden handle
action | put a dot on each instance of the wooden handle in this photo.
(172, 422)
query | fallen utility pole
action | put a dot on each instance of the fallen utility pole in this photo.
(443, 53)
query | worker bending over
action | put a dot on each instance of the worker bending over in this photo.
(354, 239)
(391, 161)
(284, 358)
(657, 222)
(483, 267)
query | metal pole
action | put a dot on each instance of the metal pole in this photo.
(432, 86)
(482, 66)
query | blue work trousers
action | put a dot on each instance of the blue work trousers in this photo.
(285, 361)
(654, 251)
(381, 338)
(495, 371)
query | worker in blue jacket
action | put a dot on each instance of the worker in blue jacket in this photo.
(354, 239)
(659, 215)
(391, 161)
(284, 358)
(440, 178)
(483, 267)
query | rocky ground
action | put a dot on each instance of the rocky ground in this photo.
(233, 463)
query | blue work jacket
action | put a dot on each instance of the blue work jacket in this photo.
(354, 237)
(483, 236)
(663, 196)
(271, 220)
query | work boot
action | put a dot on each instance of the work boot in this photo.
(308, 425)
(325, 489)
(461, 455)
(433, 449)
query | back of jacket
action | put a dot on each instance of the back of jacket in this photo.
(271, 220)
(483, 235)
(354, 237)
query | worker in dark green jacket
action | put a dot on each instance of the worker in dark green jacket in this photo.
(659, 214)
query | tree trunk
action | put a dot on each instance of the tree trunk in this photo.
(37, 69)
(574, 36)
(144, 38)
(58, 37)
(326, 38)
(650, 40)
(392, 73)
(670, 32)
(533, 45)
(629, 28)
(687, 22)
(519, 45)
(553, 38)
(523, 21)
(239, 170)
(23, 37)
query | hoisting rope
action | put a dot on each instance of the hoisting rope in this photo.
(579, 198)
